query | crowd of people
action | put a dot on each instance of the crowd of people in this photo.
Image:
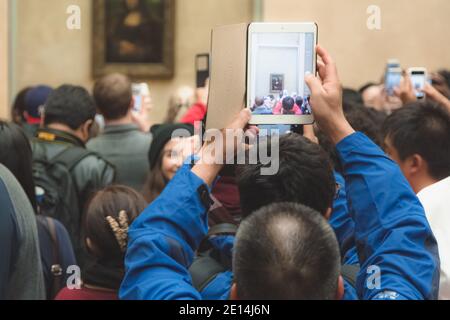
(119, 209)
(284, 105)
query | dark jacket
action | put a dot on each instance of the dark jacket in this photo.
(126, 147)
(89, 175)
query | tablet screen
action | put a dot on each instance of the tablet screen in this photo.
(279, 61)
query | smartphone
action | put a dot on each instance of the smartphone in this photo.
(278, 56)
(140, 92)
(202, 69)
(392, 63)
(393, 78)
(418, 78)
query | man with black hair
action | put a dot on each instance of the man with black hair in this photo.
(396, 248)
(304, 260)
(67, 173)
(122, 142)
(417, 137)
(305, 176)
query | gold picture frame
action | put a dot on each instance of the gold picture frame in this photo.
(134, 37)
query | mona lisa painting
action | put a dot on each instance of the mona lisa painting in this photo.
(134, 37)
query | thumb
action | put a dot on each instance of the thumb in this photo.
(313, 83)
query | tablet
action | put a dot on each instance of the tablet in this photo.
(278, 56)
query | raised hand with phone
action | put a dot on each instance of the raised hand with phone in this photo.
(326, 99)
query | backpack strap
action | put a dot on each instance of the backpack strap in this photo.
(206, 265)
(203, 270)
(56, 268)
(350, 273)
(70, 157)
(222, 229)
(217, 230)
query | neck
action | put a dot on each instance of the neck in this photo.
(64, 128)
(423, 182)
(125, 120)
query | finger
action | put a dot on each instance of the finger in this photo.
(330, 74)
(321, 69)
(314, 84)
(408, 83)
(324, 55)
(308, 132)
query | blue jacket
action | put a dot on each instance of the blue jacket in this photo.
(391, 233)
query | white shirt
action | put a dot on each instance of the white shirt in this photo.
(436, 202)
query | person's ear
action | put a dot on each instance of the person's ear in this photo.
(328, 213)
(413, 165)
(234, 293)
(340, 289)
(86, 129)
(26, 115)
(417, 163)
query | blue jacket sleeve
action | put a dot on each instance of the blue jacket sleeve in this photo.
(162, 242)
(396, 247)
(343, 224)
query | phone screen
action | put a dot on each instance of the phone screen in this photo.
(393, 78)
(279, 61)
(140, 92)
(418, 79)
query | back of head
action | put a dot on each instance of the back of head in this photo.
(107, 218)
(18, 107)
(288, 103)
(69, 105)
(351, 96)
(422, 128)
(305, 176)
(259, 101)
(113, 96)
(16, 155)
(299, 101)
(286, 251)
(366, 120)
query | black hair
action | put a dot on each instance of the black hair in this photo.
(446, 75)
(421, 128)
(352, 96)
(69, 105)
(18, 107)
(366, 86)
(288, 104)
(305, 176)
(286, 251)
(366, 120)
(299, 101)
(16, 155)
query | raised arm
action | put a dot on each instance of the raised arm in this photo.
(163, 239)
(392, 234)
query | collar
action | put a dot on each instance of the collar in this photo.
(52, 135)
(120, 128)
